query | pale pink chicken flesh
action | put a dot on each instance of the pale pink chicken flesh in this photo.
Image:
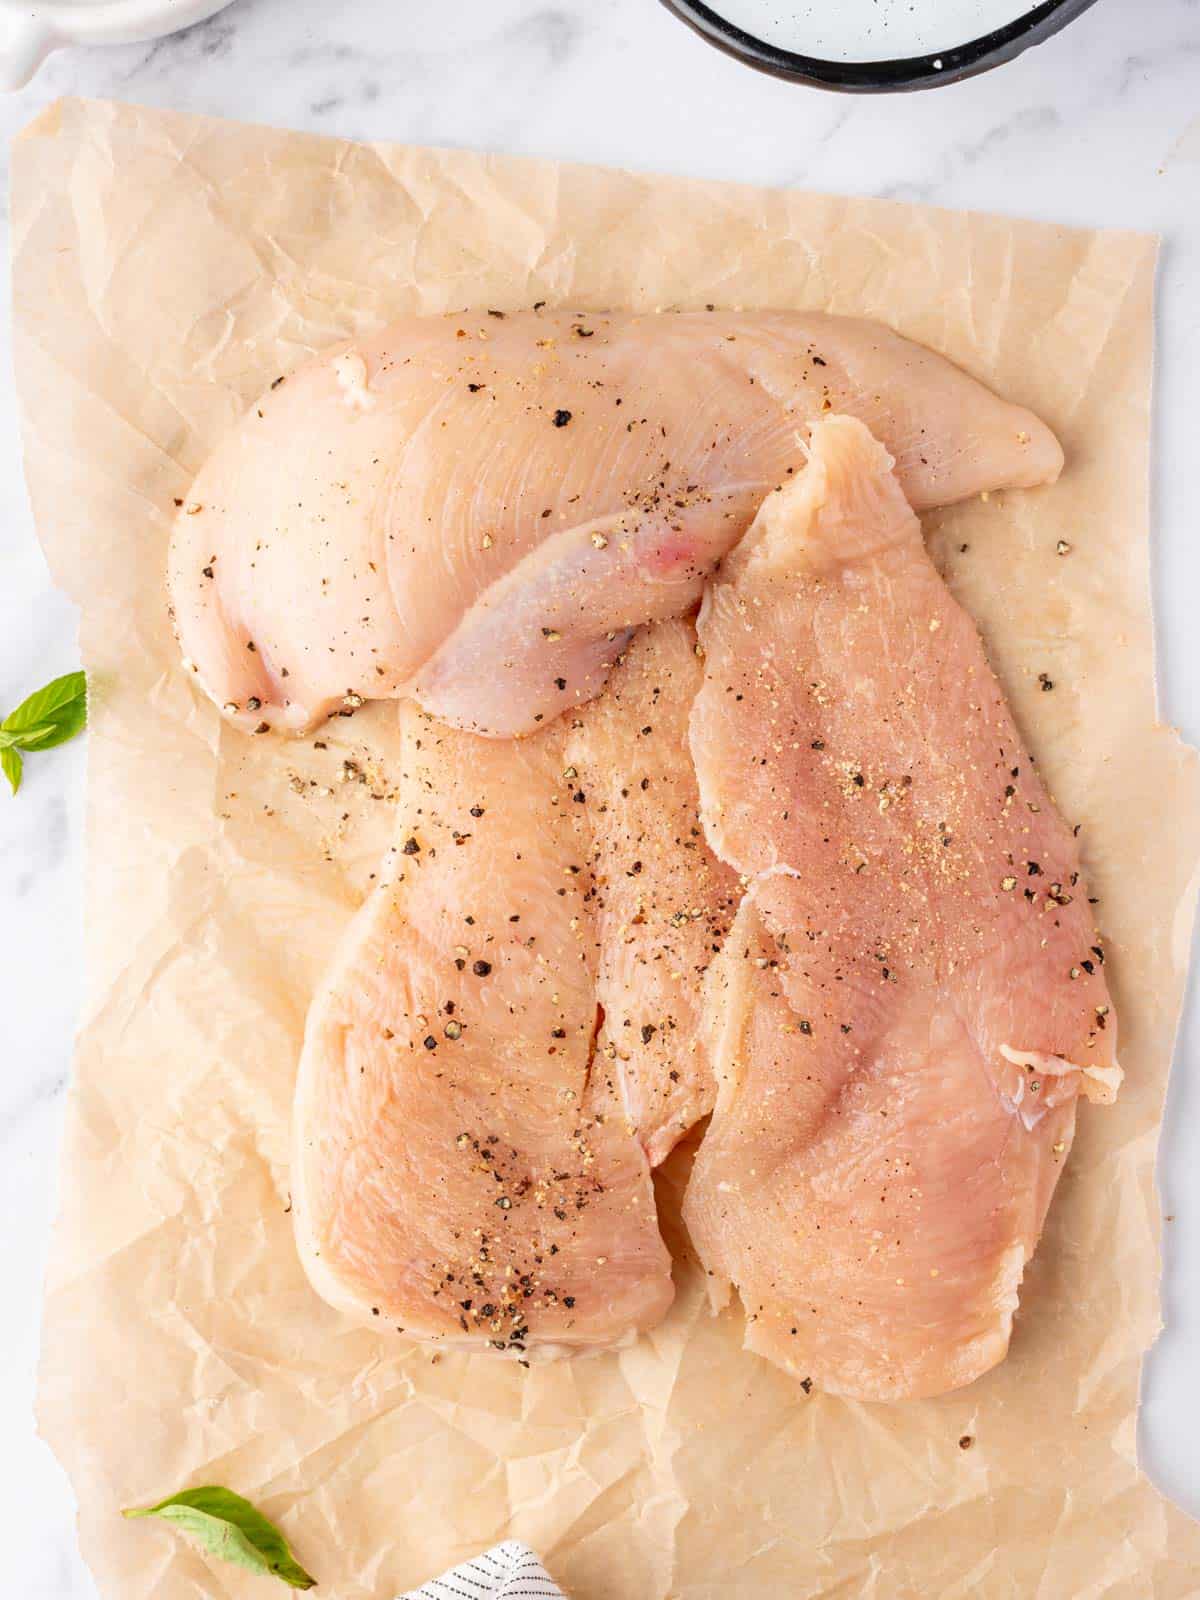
(913, 994)
(453, 1177)
(474, 511)
(663, 902)
(573, 867)
(494, 568)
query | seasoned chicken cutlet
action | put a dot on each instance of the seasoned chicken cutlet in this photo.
(510, 1038)
(451, 1176)
(476, 511)
(912, 998)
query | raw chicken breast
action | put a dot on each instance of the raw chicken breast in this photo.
(663, 902)
(476, 510)
(572, 869)
(449, 1177)
(913, 995)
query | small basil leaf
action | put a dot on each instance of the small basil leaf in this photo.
(11, 765)
(61, 706)
(228, 1527)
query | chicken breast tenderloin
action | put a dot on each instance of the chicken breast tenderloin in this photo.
(913, 995)
(664, 902)
(476, 510)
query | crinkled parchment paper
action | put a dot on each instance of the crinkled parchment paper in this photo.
(167, 269)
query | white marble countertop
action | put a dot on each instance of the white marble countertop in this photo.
(1101, 125)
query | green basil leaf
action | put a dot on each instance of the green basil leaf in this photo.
(25, 738)
(61, 706)
(228, 1527)
(11, 765)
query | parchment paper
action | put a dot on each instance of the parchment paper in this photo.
(167, 268)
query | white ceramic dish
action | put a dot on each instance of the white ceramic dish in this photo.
(30, 31)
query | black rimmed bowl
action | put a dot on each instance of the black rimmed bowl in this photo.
(956, 61)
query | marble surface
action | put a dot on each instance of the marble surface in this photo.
(1098, 126)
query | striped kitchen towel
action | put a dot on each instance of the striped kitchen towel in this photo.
(509, 1572)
